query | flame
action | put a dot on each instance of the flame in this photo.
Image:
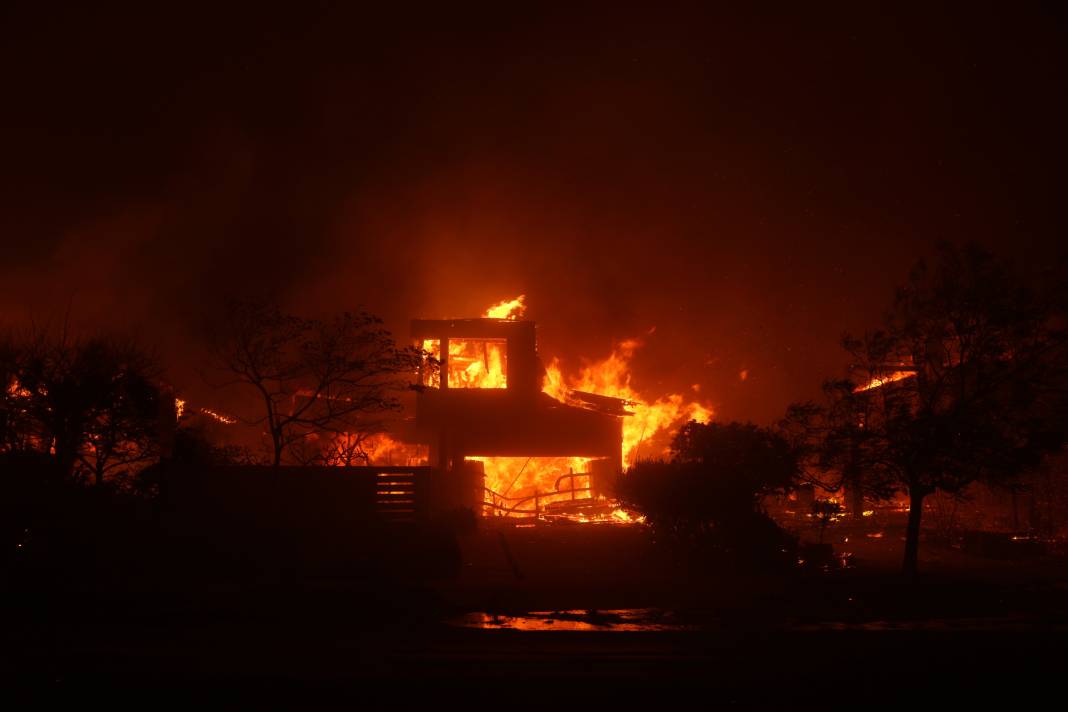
(643, 436)
(182, 407)
(646, 433)
(17, 390)
(525, 485)
(508, 309)
(220, 417)
(473, 363)
(642, 432)
(626, 517)
(883, 380)
(381, 449)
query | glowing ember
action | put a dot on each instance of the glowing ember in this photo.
(620, 620)
(625, 517)
(883, 380)
(16, 389)
(220, 417)
(182, 408)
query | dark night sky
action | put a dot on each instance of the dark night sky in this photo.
(751, 185)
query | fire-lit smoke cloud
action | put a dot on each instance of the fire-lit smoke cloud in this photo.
(752, 187)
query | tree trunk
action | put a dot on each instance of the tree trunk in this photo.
(912, 533)
(857, 497)
(66, 454)
(276, 445)
(1015, 508)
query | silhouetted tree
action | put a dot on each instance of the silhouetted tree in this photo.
(17, 429)
(315, 380)
(836, 448)
(964, 382)
(748, 462)
(93, 402)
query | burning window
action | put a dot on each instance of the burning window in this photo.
(472, 363)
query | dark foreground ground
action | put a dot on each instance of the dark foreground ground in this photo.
(614, 621)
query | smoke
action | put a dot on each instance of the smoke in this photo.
(733, 190)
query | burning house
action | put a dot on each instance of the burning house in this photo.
(483, 410)
(507, 434)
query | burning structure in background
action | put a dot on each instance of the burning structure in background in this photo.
(528, 437)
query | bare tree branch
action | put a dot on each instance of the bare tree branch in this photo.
(318, 382)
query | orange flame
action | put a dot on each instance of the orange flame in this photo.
(611, 377)
(381, 449)
(220, 417)
(646, 433)
(508, 309)
(883, 380)
(473, 363)
(527, 484)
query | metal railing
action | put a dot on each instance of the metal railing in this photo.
(503, 505)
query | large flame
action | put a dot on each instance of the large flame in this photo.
(519, 485)
(473, 363)
(530, 483)
(651, 420)
(508, 309)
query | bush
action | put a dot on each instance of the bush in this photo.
(707, 498)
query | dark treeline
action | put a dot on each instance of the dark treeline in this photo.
(90, 405)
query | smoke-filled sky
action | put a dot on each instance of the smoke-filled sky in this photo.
(751, 185)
